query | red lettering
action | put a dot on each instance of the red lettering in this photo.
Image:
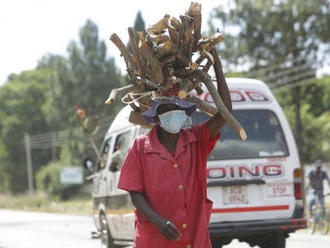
(232, 171)
(216, 173)
(272, 170)
(255, 172)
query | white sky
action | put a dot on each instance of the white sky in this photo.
(30, 29)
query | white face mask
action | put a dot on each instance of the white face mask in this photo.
(172, 121)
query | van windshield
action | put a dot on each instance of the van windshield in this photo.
(264, 136)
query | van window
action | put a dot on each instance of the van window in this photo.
(122, 142)
(105, 153)
(264, 136)
(119, 151)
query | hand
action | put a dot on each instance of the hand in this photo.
(168, 230)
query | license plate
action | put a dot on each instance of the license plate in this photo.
(283, 189)
(235, 195)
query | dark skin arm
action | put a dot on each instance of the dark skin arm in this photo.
(217, 122)
(165, 227)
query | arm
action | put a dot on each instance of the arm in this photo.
(166, 228)
(217, 122)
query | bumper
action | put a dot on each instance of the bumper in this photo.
(236, 229)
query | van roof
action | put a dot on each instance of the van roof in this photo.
(245, 82)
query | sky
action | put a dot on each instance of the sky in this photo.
(30, 29)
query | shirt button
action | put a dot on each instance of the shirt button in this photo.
(175, 165)
(189, 246)
(180, 186)
(184, 226)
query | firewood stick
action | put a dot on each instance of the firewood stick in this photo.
(199, 90)
(165, 49)
(173, 34)
(190, 49)
(124, 52)
(156, 73)
(160, 26)
(119, 92)
(136, 117)
(136, 52)
(194, 11)
(187, 30)
(151, 83)
(167, 60)
(184, 87)
(202, 105)
(200, 59)
(221, 106)
(134, 107)
(161, 38)
(207, 66)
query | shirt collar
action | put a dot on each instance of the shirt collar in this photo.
(153, 145)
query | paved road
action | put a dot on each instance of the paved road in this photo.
(20, 229)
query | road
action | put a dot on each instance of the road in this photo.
(19, 229)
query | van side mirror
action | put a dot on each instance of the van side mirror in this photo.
(88, 164)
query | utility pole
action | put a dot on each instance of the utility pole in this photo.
(53, 136)
(29, 162)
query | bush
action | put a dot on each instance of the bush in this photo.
(48, 180)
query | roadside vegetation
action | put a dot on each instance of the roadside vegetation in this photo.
(79, 205)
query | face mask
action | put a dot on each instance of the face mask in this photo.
(172, 121)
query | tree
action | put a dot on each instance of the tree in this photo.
(21, 101)
(267, 31)
(84, 79)
(42, 100)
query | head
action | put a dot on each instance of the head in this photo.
(318, 164)
(169, 112)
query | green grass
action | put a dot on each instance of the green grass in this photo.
(81, 205)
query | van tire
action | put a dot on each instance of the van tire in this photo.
(105, 235)
(277, 240)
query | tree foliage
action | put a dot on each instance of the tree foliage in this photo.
(315, 117)
(42, 100)
(259, 33)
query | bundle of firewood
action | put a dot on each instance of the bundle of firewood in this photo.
(162, 63)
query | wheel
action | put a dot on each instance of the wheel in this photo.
(277, 240)
(105, 236)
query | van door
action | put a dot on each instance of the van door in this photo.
(100, 187)
(250, 180)
(119, 206)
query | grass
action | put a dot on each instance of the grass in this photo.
(80, 205)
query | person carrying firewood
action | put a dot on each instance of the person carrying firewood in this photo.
(165, 174)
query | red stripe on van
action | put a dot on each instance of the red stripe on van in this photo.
(250, 209)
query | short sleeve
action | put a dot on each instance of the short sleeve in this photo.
(203, 134)
(131, 175)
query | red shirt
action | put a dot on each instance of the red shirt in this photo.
(173, 184)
